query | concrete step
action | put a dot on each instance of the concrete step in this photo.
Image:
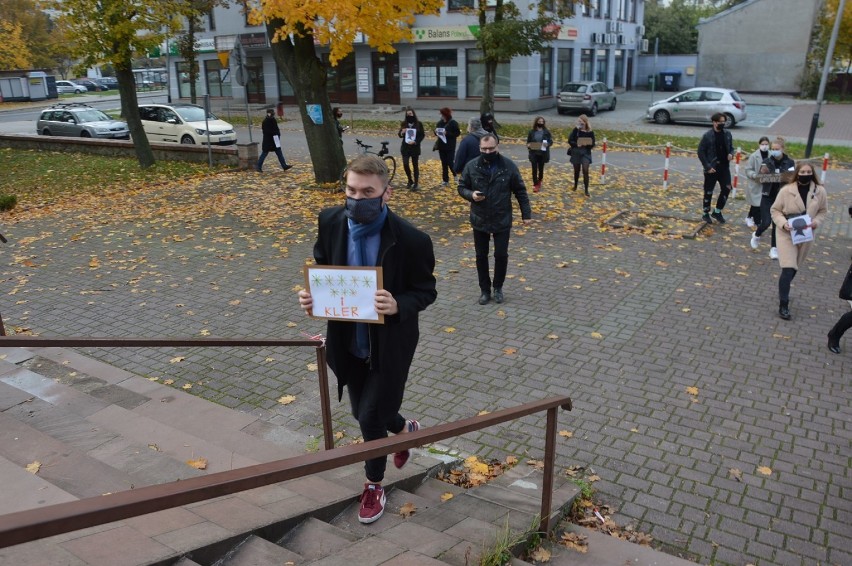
(257, 551)
(314, 539)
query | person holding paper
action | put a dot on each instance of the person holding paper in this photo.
(777, 164)
(372, 360)
(803, 196)
(412, 133)
(539, 141)
(448, 132)
(489, 182)
(715, 151)
(580, 142)
(271, 141)
(755, 187)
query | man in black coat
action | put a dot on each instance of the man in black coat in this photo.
(271, 141)
(488, 182)
(372, 360)
(716, 150)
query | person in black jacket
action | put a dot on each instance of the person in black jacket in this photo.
(271, 141)
(449, 128)
(716, 150)
(489, 182)
(488, 123)
(539, 142)
(778, 163)
(412, 133)
(372, 360)
(844, 323)
(469, 146)
(580, 152)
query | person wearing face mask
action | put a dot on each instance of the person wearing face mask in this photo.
(539, 142)
(412, 133)
(581, 151)
(489, 182)
(446, 149)
(804, 195)
(755, 187)
(778, 163)
(372, 360)
(469, 146)
(715, 151)
(488, 123)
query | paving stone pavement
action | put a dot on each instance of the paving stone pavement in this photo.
(622, 322)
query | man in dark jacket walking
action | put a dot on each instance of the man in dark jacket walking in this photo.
(716, 150)
(372, 360)
(469, 146)
(271, 141)
(488, 182)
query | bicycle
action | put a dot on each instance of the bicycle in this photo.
(384, 153)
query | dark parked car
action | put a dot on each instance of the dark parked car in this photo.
(91, 84)
(109, 82)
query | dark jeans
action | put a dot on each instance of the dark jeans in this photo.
(537, 162)
(481, 242)
(766, 218)
(407, 167)
(784, 282)
(375, 399)
(754, 213)
(842, 325)
(446, 164)
(263, 155)
(723, 177)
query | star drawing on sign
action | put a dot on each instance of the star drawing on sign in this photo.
(317, 280)
(341, 280)
(355, 280)
(334, 292)
(368, 281)
(329, 279)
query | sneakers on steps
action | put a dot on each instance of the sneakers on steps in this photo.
(401, 458)
(372, 503)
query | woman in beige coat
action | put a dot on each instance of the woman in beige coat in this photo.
(803, 195)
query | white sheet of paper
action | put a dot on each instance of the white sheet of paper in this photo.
(344, 293)
(441, 133)
(277, 140)
(801, 235)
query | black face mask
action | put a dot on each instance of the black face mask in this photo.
(805, 179)
(539, 125)
(488, 158)
(410, 119)
(364, 210)
(720, 126)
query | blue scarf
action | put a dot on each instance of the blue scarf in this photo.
(359, 234)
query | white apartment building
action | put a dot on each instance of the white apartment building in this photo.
(440, 67)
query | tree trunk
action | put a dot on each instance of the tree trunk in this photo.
(487, 102)
(130, 111)
(308, 76)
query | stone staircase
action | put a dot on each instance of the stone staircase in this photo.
(95, 429)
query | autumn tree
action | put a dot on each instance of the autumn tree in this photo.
(14, 53)
(295, 25)
(194, 11)
(111, 31)
(505, 34)
(842, 49)
(35, 31)
(675, 24)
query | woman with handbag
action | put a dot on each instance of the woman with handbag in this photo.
(804, 195)
(581, 142)
(539, 141)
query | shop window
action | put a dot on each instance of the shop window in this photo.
(182, 68)
(545, 73)
(218, 79)
(564, 66)
(456, 5)
(602, 65)
(476, 76)
(437, 73)
(586, 64)
(618, 76)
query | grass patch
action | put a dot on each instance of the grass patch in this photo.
(41, 177)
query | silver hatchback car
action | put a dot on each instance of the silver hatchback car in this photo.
(698, 105)
(585, 96)
(80, 120)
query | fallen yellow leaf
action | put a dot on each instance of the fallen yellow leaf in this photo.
(446, 496)
(286, 399)
(187, 386)
(566, 433)
(407, 510)
(177, 359)
(510, 351)
(449, 329)
(597, 335)
(198, 463)
(764, 470)
(34, 467)
(168, 381)
(692, 390)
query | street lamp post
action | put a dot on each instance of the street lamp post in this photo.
(826, 66)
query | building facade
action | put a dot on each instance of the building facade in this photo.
(440, 67)
(749, 48)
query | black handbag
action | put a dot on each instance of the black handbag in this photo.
(846, 288)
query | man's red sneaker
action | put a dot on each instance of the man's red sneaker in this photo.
(401, 458)
(372, 503)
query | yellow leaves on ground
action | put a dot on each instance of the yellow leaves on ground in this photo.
(186, 386)
(764, 470)
(205, 332)
(597, 335)
(446, 496)
(313, 367)
(509, 351)
(692, 390)
(475, 466)
(449, 329)
(154, 447)
(177, 359)
(94, 263)
(482, 412)
(575, 541)
(552, 336)
(168, 381)
(735, 474)
(198, 463)
(540, 554)
(407, 510)
(34, 467)
(474, 472)
(566, 434)
(234, 303)
(286, 399)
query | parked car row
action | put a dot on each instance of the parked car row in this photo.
(167, 123)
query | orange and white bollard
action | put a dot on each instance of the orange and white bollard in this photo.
(736, 173)
(666, 169)
(603, 163)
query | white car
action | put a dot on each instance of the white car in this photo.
(184, 123)
(67, 87)
(698, 105)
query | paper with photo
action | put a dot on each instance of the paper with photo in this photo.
(441, 133)
(800, 229)
(344, 293)
(410, 135)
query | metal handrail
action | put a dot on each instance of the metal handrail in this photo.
(34, 524)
